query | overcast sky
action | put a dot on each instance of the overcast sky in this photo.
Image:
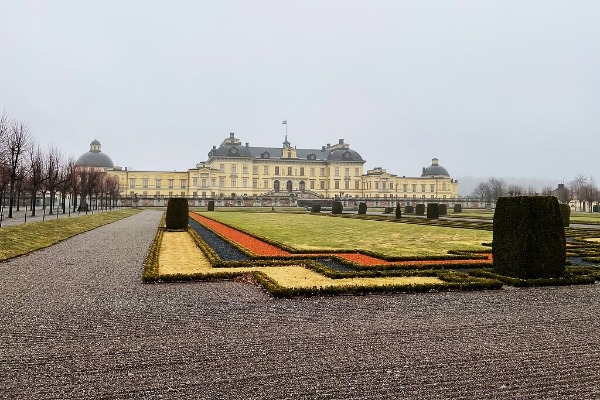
(491, 88)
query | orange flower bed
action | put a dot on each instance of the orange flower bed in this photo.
(260, 248)
(253, 244)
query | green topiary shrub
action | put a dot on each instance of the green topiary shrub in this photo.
(443, 209)
(458, 208)
(420, 209)
(398, 211)
(565, 214)
(388, 210)
(362, 208)
(433, 211)
(316, 208)
(337, 207)
(529, 238)
(595, 208)
(177, 213)
(211, 205)
(409, 210)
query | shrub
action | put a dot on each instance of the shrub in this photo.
(529, 238)
(388, 210)
(443, 209)
(420, 209)
(211, 205)
(398, 211)
(362, 208)
(316, 208)
(433, 211)
(458, 208)
(595, 208)
(177, 213)
(409, 210)
(565, 214)
(337, 207)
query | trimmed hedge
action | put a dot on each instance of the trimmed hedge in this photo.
(443, 209)
(388, 210)
(316, 208)
(398, 211)
(458, 208)
(420, 209)
(177, 213)
(565, 214)
(337, 207)
(409, 210)
(433, 211)
(211, 205)
(362, 208)
(529, 237)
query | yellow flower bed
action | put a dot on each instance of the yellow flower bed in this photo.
(179, 255)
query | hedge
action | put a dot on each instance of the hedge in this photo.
(362, 208)
(433, 211)
(177, 213)
(337, 207)
(420, 209)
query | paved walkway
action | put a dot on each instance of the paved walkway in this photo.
(76, 322)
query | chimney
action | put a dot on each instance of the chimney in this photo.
(434, 161)
(246, 144)
(341, 141)
(231, 135)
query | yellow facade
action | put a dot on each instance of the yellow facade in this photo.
(235, 169)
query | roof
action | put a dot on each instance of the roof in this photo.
(94, 159)
(434, 170)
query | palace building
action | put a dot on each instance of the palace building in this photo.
(235, 169)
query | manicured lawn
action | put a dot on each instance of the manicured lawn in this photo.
(22, 239)
(320, 232)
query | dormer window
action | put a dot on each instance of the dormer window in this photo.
(311, 156)
(265, 155)
(347, 155)
(233, 151)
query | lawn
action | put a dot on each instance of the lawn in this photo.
(322, 232)
(22, 239)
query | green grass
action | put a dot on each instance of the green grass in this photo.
(321, 232)
(22, 239)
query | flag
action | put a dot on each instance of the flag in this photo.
(284, 122)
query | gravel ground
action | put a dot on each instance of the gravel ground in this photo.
(76, 322)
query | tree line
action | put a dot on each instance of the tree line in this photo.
(28, 173)
(581, 188)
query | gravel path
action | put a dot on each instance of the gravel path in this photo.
(76, 322)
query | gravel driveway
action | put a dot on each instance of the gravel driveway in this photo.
(76, 322)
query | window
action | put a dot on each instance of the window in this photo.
(233, 182)
(346, 171)
(444, 186)
(171, 183)
(383, 185)
(376, 185)
(255, 183)
(312, 184)
(182, 194)
(158, 183)
(213, 182)
(414, 187)
(203, 182)
(255, 169)
(322, 185)
(266, 170)
(322, 172)
(391, 186)
(432, 188)
(183, 183)
(356, 171)
(337, 184)
(404, 187)
(145, 193)
(245, 182)
(266, 183)
(132, 193)
(276, 170)
(290, 171)
(132, 183)
(422, 187)
(221, 182)
(170, 194)
(145, 183)
(337, 171)
(356, 185)
(195, 194)
(244, 168)
(234, 168)
(347, 185)
(312, 172)
(301, 171)
(222, 167)
(432, 196)
(195, 181)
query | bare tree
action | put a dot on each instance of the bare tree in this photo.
(66, 178)
(481, 191)
(15, 141)
(588, 193)
(497, 188)
(576, 186)
(53, 161)
(36, 175)
(547, 191)
(515, 190)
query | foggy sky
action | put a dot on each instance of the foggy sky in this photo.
(491, 88)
